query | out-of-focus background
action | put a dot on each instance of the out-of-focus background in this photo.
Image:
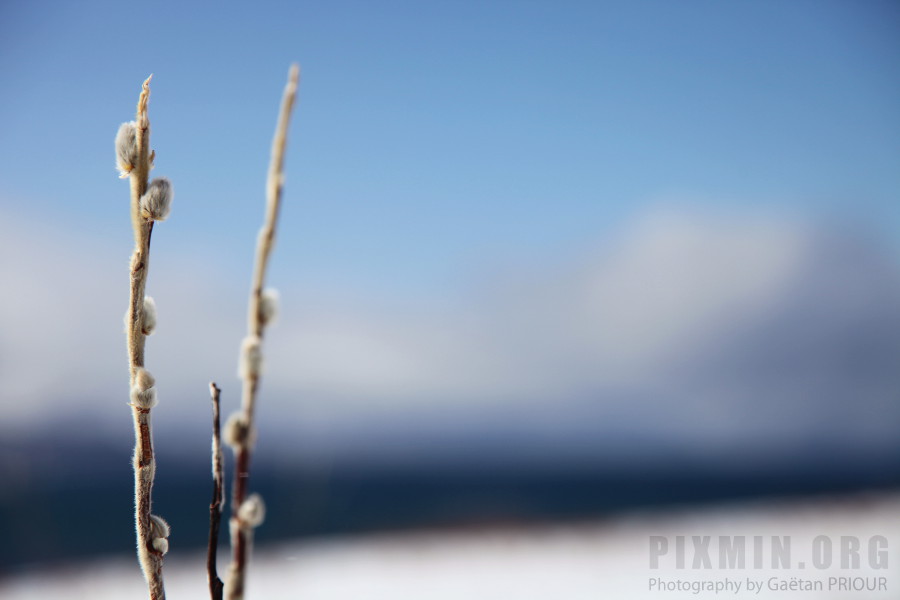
(555, 277)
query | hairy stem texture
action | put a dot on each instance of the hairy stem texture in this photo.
(144, 460)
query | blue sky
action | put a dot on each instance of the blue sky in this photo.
(446, 156)
(451, 127)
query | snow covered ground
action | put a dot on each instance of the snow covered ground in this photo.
(589, 560)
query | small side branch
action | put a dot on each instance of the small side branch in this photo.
(218, 500)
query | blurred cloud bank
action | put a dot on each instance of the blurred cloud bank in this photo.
(687, 323)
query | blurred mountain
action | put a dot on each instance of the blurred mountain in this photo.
(67, 495)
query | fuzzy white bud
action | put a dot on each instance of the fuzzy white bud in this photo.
(149, 318)
(250, 366)
(268, 306)
(252, 511)
(161, 545)
(126, 148)
(156, 203)
(143, 390)
(235, 431)
(159, 531)
(159, 527)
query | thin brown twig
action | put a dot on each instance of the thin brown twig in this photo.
(140, 259)
(144, 459)
(240, 535)
(218, 499)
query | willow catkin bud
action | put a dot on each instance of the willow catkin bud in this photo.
(159, 527)
(149, 316)
(126, 148)
(252, 511)
(156, 203)
(235, 432)
(143, 390)
(250, 366)
(268, 306)
(159, 532)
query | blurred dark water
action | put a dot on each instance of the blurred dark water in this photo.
(75, 501)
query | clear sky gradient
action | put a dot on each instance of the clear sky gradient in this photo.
(459, 173)
(451, 127)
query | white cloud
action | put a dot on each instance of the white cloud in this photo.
(679, 311)
(616, 318)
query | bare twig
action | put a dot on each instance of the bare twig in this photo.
(247, 512)
(218, 500)
(152, 532)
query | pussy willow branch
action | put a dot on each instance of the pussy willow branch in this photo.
(140, 260)
(144, 459)
(241, 536)
(218, 500)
